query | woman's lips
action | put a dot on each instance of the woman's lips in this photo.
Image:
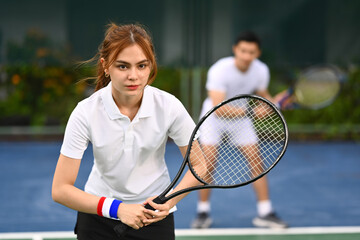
(132, 87)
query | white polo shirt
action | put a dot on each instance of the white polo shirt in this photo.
(129, 159)
(225, 76)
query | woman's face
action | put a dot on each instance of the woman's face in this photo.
(129, 73)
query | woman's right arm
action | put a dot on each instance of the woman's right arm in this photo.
(64, 191)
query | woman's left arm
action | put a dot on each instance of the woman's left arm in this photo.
(163, 209)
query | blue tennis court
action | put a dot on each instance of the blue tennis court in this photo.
(316, 184)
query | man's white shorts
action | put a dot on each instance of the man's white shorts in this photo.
(239, 132)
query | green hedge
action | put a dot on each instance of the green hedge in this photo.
(339, 120)
(38, 95)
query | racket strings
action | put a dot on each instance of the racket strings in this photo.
(238, 142)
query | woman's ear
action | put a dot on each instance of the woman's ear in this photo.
(102, 60)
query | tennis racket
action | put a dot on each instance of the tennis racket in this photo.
(316, 87)
(235, 143)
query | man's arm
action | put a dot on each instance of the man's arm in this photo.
(276, 99)
(265, 94)
(216, 97)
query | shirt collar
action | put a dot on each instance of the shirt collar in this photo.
(146, 108)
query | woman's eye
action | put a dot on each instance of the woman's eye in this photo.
(122, 67)
(142, 66)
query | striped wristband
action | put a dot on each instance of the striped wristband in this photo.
(108, 207)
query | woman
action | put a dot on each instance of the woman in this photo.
(128, 123)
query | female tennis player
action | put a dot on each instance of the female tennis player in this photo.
(128, 123)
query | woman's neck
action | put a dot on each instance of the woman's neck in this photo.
(128, 105)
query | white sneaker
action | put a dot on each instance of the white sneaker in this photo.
(202, 220)
(269, 221)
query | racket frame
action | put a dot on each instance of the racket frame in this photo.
(162, 198)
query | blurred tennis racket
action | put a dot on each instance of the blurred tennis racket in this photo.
(221, 162)
(316, 87)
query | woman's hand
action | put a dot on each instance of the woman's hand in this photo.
(132, 215)
(161, 211)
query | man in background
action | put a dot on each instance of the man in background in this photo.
(242, 73)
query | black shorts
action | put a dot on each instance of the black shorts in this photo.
(94, 227)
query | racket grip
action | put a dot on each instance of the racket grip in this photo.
(121, 229)
(157, 200)
(281, 102)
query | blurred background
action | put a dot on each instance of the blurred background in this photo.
(42, 42)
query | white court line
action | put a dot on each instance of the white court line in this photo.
(265, 231)
(203, 232)
(37, 235)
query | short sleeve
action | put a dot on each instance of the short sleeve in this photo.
(213, 81)
(264, 79)
(76, 137)
(182, 125)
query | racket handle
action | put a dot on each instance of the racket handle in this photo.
(121, 229)
(157, 200)
(282, 103)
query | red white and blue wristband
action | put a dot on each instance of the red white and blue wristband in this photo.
(108, 207)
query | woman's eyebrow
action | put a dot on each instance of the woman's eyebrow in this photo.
(124, 62)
